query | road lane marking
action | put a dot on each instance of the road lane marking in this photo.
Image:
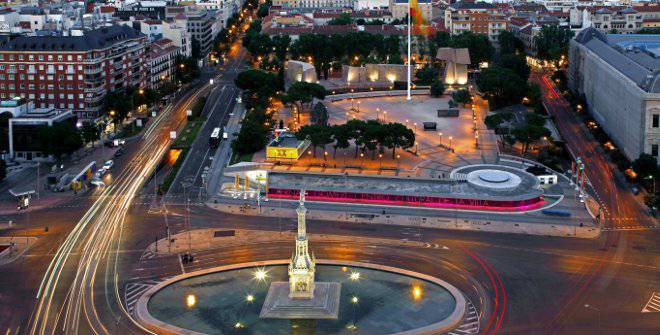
(653, 305)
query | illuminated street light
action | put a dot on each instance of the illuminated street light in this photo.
(417, 292)
(355, 276)
(355, 300)
(191, 300)
(249, 298)
(260, 274)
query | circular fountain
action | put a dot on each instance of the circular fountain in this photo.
(302, 296)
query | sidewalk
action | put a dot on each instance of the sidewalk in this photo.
(212, 238)
(11, 248)
(22, 180)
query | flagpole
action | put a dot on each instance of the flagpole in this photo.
(409, 47)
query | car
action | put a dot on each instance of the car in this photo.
(118, 141)
(97, 182)
(99, 173)
(119, 152)
(108, 164)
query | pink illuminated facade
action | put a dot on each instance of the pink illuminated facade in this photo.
(410, 200)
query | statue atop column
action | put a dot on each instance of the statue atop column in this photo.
(301, 267)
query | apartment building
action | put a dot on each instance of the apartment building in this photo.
(72, 71)
(476, 17)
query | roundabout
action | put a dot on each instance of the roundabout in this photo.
(335, 297)
(375, 299)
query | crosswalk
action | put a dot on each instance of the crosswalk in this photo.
(470, 324)
(134, 291)
(653, 305)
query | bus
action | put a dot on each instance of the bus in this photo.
(214, 141)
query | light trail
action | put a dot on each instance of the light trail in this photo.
(93, 240)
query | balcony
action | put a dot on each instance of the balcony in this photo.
(95, 70)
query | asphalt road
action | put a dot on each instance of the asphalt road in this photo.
(220, 104)
(526, 281)
(530, 284)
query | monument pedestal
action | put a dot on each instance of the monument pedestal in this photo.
(324, 304)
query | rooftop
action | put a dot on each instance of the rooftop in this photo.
(635, 56)
(404, 186)
(91, 40)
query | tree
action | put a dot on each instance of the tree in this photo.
(253, 135)
(441, 39)
(259, 45)
(90, 132)
(426, 75)
(342, 20)
(318, 135)
(263, 10)
(437, 88)
(478, 46)
(495, 121)
(320, 114)
(645, 166)
(62, 138)
(552, 42)
(461, 96)
(503, 87)
(510, 44)
(281, 44)
(399, 136)
(341, 134)
(529, 133)
(117, 104)
(187, 69)
(301, 93)
(257, 82)
(515, 63)
(535, 97)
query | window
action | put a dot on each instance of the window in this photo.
(656, 120)
(31, 57)
(41, 57)
(60, 57)
(654, 150)
(50, 57)
(69, 58)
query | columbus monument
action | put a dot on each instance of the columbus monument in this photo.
(302, 297)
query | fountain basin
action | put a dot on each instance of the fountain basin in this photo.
(228, 299)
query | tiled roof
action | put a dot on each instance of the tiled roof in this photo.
(93, 39)
(647, 9)
(634, 63)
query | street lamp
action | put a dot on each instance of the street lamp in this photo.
(597, 311)
(440, 133)
(450, 138)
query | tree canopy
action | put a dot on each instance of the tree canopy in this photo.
(510, 44)
(478, 46)
(552, 42)
(501, 86)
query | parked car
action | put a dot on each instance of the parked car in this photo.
(108, 165)
(119, 152)
(99, 173)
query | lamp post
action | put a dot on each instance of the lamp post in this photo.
(440, 133)
(597, 311)
(450, 138)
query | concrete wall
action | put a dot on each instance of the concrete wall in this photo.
(456, 74)
(494, 225)
(300, 71)
(374, 73)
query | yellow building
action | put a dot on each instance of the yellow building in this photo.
(286, 148)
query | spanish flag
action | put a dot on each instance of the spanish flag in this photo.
(419, 24)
